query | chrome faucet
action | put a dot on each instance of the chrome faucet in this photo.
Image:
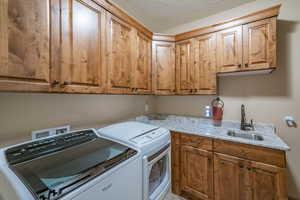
(244, 125)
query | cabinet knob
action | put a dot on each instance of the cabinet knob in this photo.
(240, 65)
(246, 65)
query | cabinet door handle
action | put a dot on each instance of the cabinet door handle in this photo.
(67, 83)
(241, 166)
(55, 82)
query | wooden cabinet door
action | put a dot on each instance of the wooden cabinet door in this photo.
(196, 173)
(231, 178)
(25, 32)
(163, 79)
(268, 182)
(175, 162)
(83, 34)
(205, 64)
(230, 50)
(260, 44)
(120, 55)
(142, 66)
(184, 67)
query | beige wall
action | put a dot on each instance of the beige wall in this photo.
(22, 113)
(268, 98)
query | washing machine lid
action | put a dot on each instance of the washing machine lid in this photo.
(127, 130)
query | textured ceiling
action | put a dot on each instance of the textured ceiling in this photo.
(159, 15)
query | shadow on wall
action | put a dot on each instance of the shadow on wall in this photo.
(277, 84)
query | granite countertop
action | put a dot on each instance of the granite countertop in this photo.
(205, 127)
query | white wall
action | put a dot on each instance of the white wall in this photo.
(268, 98)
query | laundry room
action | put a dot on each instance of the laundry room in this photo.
(149, 100)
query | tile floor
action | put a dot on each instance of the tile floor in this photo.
(171, 196)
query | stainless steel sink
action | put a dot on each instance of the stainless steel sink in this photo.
(249, 136)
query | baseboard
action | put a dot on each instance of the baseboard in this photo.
(291, 198)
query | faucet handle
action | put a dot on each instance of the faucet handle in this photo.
(252, 124)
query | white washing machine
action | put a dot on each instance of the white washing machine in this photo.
(79, 165)
(154, 143)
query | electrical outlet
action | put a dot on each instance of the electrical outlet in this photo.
(146, 108)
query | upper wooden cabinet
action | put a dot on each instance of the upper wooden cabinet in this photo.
(205, 81)
(163, 66)
(83, 47)
(120, 47)
(196, 65)
(260, 44)
(142, 65)
(91, 46)
(230, 49)
(248, 47)
(25, 32)
(184, 67)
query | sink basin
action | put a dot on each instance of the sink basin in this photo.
(249, 136)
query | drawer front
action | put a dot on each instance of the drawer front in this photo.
(197, 141)
(250, 152)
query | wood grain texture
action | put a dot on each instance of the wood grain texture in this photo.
(231, 178)
(184, 67)
(196, 173)
(121, 14)
(260, 15)
(240, 171)
(255, 153)
(230, 50)
(163, 67)
(25, 45)
(205, 58)
(197, 141)
(260, 44)
(120, 55)
(142, 66)
(56, 48)
(175, 162)
(83, 33)
(163, 37)
(268, 182)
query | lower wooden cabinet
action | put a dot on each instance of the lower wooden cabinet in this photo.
(231, 178)
(196, 173)
(202, 172)
(268, 182)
